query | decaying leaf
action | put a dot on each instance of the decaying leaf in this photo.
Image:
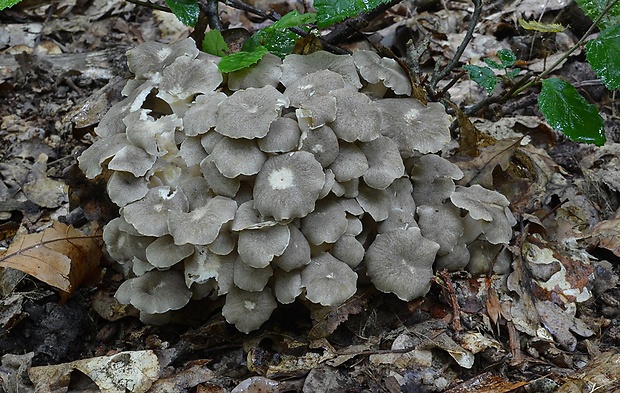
(123, 372)
(606, 234)
(60, 256)
(328, 318)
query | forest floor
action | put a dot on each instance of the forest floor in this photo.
(63, 64)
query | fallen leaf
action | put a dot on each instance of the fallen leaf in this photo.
(124, 372)
(328, 318)
(60, 256)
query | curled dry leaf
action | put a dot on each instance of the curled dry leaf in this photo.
(60, 256)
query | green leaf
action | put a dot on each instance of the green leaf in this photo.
(240, 60)
(277, 38)
(507, 57)
(214, 43)
(483, 76)
(493, 64)
(8, 3)
(513, 73)
(603, 54)
(567, 111)
(329, 12)
(593, 8)
(294, 19)
(186, 11)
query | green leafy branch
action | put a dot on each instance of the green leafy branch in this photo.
(563, 107)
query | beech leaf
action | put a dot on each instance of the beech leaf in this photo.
(60, 256)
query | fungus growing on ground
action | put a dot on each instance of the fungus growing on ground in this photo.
(289, 178)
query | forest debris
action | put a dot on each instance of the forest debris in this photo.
(123, 372)
(487, 383)
(60, 256)
(328, 318)
(606, 234)
(601, 375)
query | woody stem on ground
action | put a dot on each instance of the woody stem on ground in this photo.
(439, 75)
(579, 43)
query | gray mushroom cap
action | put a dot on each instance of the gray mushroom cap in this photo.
(204, 265)
(297, 253)
(251, 278)
(374, 69)
(149, 215)
(155, 292)
(124, 188)
(316, 84)
(414, 127)
(283, 136)
(202, 225)
(433, 179)
(326, 224)
(348, 250)
(288, 185)
(441, 224)
(258, 247)
(287, 286)
(350, 163)
(248, 310)
(489, 206)
(401, 262)
(186, 77)
(384, 162)
(92, 159)
(249, 113)
(218, 183)
(297, 66)
(123, 246)
(358, 118)
(163, 253)
(234, 157)
(328, 281)
(375, 202)
(148, 59)
(266, 72)
(200, 117)
(322, 143)
(151, 134)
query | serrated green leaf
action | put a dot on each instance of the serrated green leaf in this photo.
(493, 64)
(294, 19)
(507, 57)
(513, 73)
(483, 76)
(186, 11)
(567, 111)
(214, 43)
(603, 54)
(240, 60)
(329, 12)
(8, 3)
(593, 8)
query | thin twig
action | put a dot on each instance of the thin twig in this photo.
(437, 76)
(353, 25)
(150, 5)
(581, 41)
(213, 14)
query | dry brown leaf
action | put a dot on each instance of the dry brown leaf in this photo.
(328, 318)
(480, 169)
(60, 256)
(606, 234)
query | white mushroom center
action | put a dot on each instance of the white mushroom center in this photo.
(281, 179)
(163, 53)
(411, 115)
(249, 305)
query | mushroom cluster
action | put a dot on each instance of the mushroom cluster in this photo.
(290, 178)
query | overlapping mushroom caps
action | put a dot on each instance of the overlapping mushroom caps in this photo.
(292, 178)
